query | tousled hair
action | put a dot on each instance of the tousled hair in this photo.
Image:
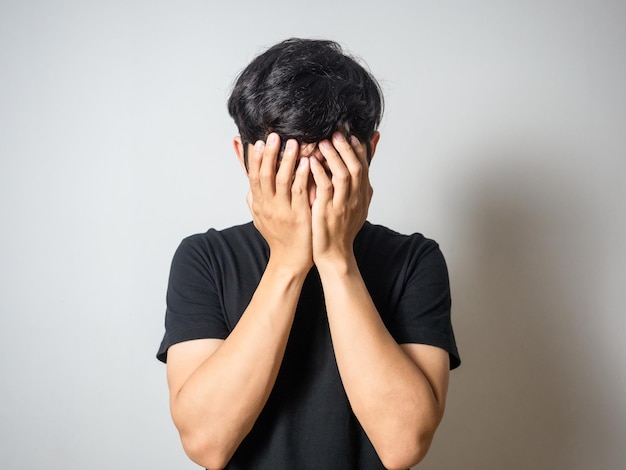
(305, 89)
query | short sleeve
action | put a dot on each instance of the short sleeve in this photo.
(194, 309)
(422, 314)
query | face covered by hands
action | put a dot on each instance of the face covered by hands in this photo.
(342, 197)
(279, 203)
(310, 204)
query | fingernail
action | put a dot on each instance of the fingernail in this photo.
(340, 137)
(290, 145)
(354, 141)
(272, 138)
(258, 146)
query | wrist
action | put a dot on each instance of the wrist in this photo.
(337, 264)
(289, 269)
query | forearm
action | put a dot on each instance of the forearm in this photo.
(219, 403)
(389, 394)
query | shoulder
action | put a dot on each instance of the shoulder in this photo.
(382, 243)
(393, 264)
(233, 253)
(390, 261)
(212, 235)
(218, 240)
(204, 251)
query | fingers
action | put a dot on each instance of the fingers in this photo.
(347, 162)
(254, 168)
(299, 188)
(323, 184)
(341, 178)
(285, 174)
(267, 171)
(360, 150)
(347, 166)
(347, 152)
(288, 183)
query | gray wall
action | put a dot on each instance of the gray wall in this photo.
(504, 139)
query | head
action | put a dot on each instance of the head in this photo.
(305, 89)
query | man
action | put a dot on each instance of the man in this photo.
(310, 338)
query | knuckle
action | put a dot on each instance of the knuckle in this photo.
(266, 175)
(346, 147)
(326, 186)
(342, 177)
(254, 178)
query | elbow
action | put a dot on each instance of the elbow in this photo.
(202, 444)
(200, 450)
(406, 454)
(417, 437)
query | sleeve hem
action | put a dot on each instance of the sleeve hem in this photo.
(181, 336)
(432, 339)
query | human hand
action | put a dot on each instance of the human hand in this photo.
(279, 202)
(341, 199)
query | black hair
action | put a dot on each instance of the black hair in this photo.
(305, 89)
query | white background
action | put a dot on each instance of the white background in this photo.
(503, 139)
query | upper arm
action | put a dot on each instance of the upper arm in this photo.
(422, 315)
(184, 358)
(434, 363)
(194, 299)
(194, 321)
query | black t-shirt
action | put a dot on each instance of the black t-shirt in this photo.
(307, 422)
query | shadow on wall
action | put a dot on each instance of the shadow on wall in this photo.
(531, 393)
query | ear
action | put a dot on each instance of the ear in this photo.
(374, 143)
(238, 145)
